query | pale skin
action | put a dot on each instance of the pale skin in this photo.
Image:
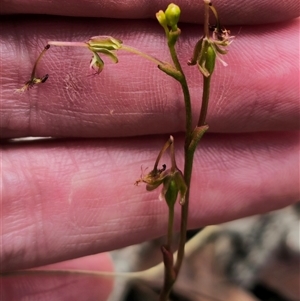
(67, 199)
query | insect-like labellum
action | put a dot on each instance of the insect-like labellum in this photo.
(44, 78)
(154, 174)
(164, 166)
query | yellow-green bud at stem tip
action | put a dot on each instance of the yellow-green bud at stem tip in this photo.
(172, 15)
(161, 17)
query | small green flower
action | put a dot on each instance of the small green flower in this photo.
(204, 57)
(206, 52)
(172, 179)
(208, 48)
(104, 45)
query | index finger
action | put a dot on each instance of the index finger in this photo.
(232, 12)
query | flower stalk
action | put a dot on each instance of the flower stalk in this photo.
(204, 57)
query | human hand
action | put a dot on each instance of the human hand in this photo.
(64, 199)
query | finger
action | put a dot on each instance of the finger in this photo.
(68, 199)
(232, 12)
(257, 91)
(100, 262)
(55, 286)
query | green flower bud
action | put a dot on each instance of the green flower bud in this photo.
(105, 45)
(172, 15)
(161, 17)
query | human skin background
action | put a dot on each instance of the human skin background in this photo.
(67, 198)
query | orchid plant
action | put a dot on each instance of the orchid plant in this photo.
(175, 183)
